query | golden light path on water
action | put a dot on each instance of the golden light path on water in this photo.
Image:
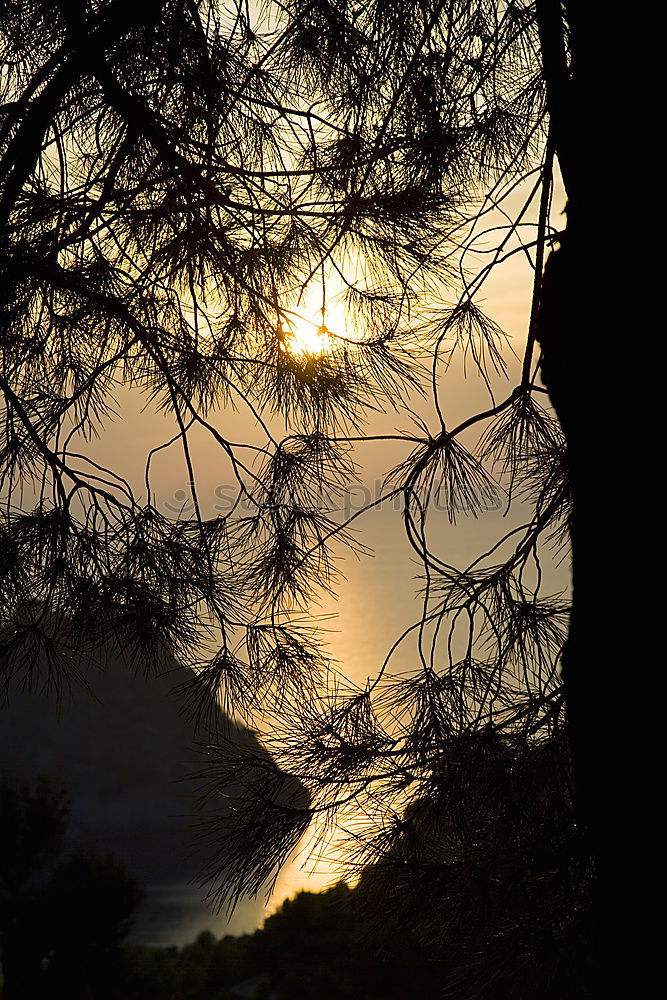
(378, 596)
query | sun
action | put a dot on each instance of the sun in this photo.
(308, 340)
(314, 328)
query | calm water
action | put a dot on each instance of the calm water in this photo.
(377, 599)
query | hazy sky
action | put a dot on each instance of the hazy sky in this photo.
(379, 596)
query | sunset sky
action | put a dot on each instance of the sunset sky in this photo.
(377, 596)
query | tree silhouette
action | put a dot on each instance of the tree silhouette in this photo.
(32, 824)
(174, 176)
(91, 901)
(62, 918)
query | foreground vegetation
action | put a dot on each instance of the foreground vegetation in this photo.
(316, 945)
(443, 915)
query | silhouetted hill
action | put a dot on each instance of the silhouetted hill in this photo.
(124, 749)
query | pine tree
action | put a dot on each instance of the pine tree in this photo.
(174, 176)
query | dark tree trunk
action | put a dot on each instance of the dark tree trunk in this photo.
(570, 339)
(574, 332)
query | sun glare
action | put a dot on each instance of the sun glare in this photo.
(311, 331)
(306, 340)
